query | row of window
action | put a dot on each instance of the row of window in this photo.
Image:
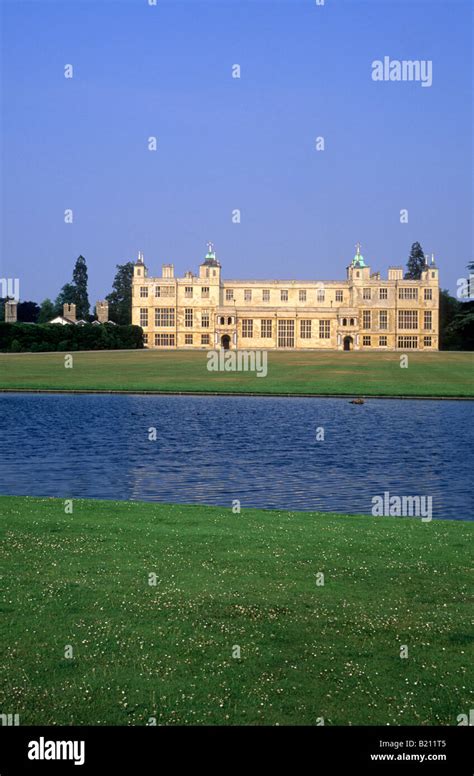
(169, 291)
(286, 338)
(284, 329)
(407, 342)
(169, 340)
(407, 319)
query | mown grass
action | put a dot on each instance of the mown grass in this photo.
(427, 374)
(227, 580)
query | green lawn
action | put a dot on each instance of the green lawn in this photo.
(427, 374)
(165, 651)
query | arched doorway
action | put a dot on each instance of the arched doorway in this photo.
(225, 341)
(348, 343)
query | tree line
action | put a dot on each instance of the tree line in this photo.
(75, 292)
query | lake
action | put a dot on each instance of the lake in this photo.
(262, 451)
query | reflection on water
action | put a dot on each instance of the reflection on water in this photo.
(262, 451)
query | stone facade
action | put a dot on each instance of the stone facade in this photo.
(11, 311)
(102, 311)
(363, 312)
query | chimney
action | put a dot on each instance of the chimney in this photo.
(69, 311)
(11, 311)
(395, 273)
(102, 311)
(167, 271)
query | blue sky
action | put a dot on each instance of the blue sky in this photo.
(225, 143)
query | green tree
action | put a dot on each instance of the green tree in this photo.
(47, 311)
(79, 279)
(120, 300)
(449, 308)
(416, 262)
(27, 312)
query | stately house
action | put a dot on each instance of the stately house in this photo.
(363, 312)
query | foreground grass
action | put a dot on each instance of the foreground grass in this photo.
(166, 651)
(428, 374)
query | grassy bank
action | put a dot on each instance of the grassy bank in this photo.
(428, 374)
(225, 580)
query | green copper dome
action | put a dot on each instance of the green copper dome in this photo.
(358, 260)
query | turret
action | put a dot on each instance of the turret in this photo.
(210, 269)
(139, 269)
(358, 270)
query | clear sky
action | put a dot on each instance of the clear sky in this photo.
(225, 143)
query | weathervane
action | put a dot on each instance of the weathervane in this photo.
(210, 247)
(358, 247)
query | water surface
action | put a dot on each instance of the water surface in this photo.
(262, 451)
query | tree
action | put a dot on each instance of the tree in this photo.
(120, 300)
(79, 279)
(416, 262)
(67, 295)
(46, 312)
(27, 312)
(448, 309)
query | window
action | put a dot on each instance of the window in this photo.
(143, 292)
(145, 339)
(320, 295)
(247, 295)
(324, 329)
(266, 295)
(188, 292)
(428, 294)
(408, 343)
(408, 319)
(143, 316)
(230, 321)
(383, 319)
(164, 340)
(286, 334)
(408, 293)
(205, 292)
(427, 342)
(305, 329)
(383, 293)
(247, 327)
(266, 328)
(352, 322)
(366, 294)
(284, 296)
(164, 291)
(188, 317)
(229, 294)
(205, 339)
(339, 296)
(366, 341)
(366, 319)
(344, 321)
(383, 342)
(188, 339)
(433, 274)
(205, 320)
(302, 296)
(164, 316)
(428, 320)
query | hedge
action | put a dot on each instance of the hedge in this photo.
(36, 338)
